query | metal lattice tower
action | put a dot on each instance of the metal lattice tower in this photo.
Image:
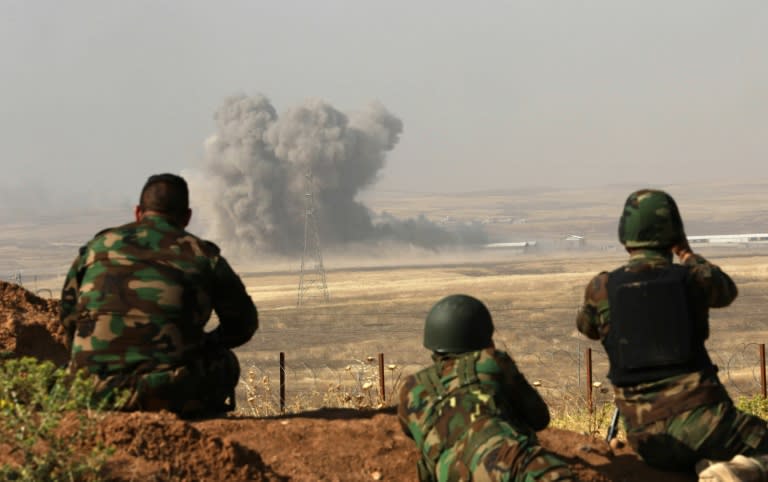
(312, 279)
(16, 278)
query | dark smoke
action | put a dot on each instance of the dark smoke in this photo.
(255, 175)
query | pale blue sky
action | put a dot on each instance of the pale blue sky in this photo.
(97, 95)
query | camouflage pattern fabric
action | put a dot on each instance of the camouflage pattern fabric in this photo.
(134, 305)
(676, 421)
(650, 219)
(202, 387)
(473, 416)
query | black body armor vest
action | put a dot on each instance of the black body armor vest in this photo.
(657, 330)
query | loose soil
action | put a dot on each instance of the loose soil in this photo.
(29, 325)
(320, 445)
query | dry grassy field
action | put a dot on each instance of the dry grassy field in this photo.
(533, 299)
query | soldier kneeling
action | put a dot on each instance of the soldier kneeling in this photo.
(472, 414)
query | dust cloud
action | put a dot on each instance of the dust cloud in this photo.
(259, 166)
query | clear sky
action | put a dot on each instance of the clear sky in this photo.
(96, 95)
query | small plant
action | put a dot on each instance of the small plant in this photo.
(395, 381)
(259, 397)
(572, 413)
(35, 397)
(364, 392)
(754, 405)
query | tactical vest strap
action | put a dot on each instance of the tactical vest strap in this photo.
(430, 380)
(467, 371)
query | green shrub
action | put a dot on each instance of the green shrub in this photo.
(35, 397)
(755, 405)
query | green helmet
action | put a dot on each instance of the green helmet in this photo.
(457, 324)
(650, 220)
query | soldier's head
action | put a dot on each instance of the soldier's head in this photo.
(166, 195)
(650, 220)
(458, 324)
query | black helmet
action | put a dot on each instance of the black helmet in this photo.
(457, 324)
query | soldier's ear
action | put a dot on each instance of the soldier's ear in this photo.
(137, 213)
(186, 218)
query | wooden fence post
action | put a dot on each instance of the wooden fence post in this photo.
(382, 388)
(762, 370)
(282, 382)
(588, 361)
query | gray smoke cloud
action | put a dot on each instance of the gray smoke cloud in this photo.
(256, 168)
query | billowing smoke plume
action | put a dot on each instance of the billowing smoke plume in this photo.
(259, 167)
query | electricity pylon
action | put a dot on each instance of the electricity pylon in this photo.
(311, 280)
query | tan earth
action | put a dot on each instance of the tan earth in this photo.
(321, 445)
(29, 325)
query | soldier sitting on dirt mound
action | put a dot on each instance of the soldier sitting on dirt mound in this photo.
(652, 317)
(135, 303)
(472, 414)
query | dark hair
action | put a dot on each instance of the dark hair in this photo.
(165, 193)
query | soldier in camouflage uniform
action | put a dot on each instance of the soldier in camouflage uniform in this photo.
(136, 300)
(472, 414)
(652, 316)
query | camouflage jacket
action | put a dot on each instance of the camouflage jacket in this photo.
(138, 296)
(648, 402)
(474, 387)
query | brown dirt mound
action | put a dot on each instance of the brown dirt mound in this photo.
(337, 445)
(29, 325)
(159, 446)
(350, 445)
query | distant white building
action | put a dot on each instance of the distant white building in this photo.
(728, 239)
(575, 241)
(522, 246)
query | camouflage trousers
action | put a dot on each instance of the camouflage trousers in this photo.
(202, 387)
(497, 452)
(716, 431)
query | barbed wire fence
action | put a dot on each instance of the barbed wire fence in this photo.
(547, 350)
(16, 277)
(563, 377)
(564, 374)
